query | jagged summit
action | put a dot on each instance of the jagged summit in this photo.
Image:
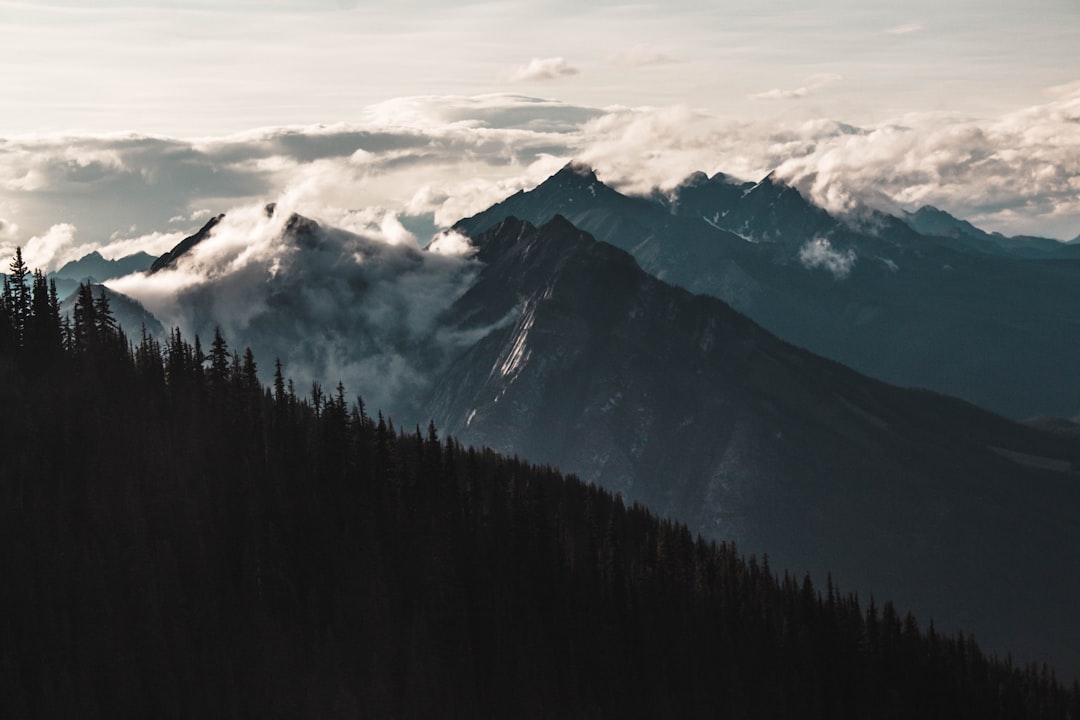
(183, 247)
(303, 230)
(576, 168)
(572, 192)
(694, 179)
(94, 265)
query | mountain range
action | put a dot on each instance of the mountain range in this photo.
(680, 402)
(960, 317)
(618, 338)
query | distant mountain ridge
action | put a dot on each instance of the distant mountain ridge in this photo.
(929, 220)
(911, 309)
(96, 267)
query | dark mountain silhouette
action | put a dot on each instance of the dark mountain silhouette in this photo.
(97, 268)
(184, 246)
(931, 221)
(873, 293)
(256, 554)
(681, 403)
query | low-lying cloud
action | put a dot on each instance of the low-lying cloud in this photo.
(361, 305)
(819, 253)
(434, 160)
(53, 248)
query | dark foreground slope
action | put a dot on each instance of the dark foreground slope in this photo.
(179, 542)
(682, 404)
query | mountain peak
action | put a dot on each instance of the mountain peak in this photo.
(303, 229)
(772, 180)
(184, 246)
(929, 211)
(694, 179)
(576, 168)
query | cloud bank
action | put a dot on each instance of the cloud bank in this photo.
(432, 160)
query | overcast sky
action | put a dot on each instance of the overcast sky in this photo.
(184, 67)
(992, 87)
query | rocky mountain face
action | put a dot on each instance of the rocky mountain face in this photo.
(685, 405)
(184, 246)
(872, 293)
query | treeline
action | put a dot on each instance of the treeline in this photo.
(179, 541)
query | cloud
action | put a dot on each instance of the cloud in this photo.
(362, 305)
(433, 160)
(8, 230)
(818, 82)
(905, 29)
(778, 94)
(819, 253)
(155, 243)
(1017, 173)
(54, 248)
(451, 243)
(640, 56)
(543, 69)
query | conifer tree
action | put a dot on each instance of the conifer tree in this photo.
(17, 296)
(85, 330)
(248, 373)
(108, 329)
(279, 383)
(42, 340)
(219, 360)
(7, 333)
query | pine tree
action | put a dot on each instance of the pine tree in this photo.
(42, 342)
(248, 373)
(85, 330)
(279, 383)
(219, 360)
(17, 297)
(108, 328)
(7, 333)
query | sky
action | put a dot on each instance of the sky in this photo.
(126, 124)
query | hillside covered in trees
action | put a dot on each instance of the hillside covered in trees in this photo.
(181, 541)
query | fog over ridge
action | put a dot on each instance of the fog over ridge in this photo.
(432, 160)
(359, 304)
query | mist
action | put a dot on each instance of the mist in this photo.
(360, 305)
(433, 160)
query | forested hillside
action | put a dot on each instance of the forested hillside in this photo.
(180, 541)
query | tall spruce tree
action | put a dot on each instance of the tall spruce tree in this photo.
(17, 296)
